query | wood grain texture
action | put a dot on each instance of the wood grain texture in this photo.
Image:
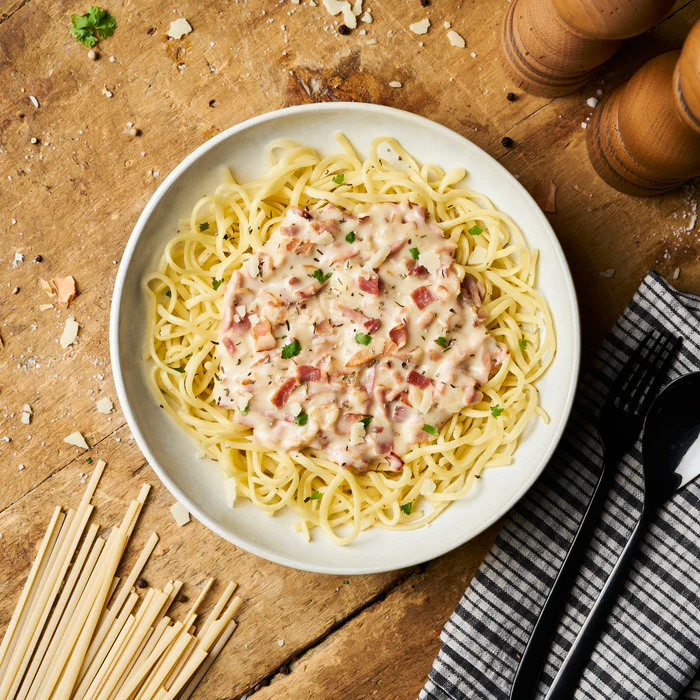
(76, 194)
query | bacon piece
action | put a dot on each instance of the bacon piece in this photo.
(326, 225)
(308, 291)
(292, 281)
(418, 379)
(422, 297)
(399, 335)
(400, 413)
(241, 325)
(323, 327)
(299, 246)
(418, 270)
(234, 284)
(360, 358)
(397, 245)
(307, 373)
(227, 342)
(279, 398)
(369, 285)
(384, 447)
(372, 324)
(301, 212)
(344, 255)
(415, 213)
(395, 462)
(473, 291)
(368, 383)
(424, 320)
(289, 230)
(262, 335)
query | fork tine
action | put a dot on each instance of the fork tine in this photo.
(662, 370)
(651, 373)
(629, 368)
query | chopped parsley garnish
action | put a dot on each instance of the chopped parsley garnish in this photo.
(181, 370)
(430, 429)
(407, 508)
(476, 230)
(320, 277)
(169, 294)
(217, 283)
(363, 338)
(315, 496)
(338, 179)
(345, 582)
(204, 226)
(291, 350)
(301, 419)
(94, 20)
(496, 411)
(414, 253)
(443, 342)
(89, 460)
(244, 410)
(522, 343)
(366, 421)
(350, 238)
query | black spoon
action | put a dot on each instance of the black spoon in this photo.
(671, 456)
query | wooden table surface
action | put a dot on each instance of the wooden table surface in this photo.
(73, 198)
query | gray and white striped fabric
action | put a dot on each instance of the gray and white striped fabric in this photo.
(650, 647)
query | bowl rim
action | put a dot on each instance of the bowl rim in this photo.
(117, 305)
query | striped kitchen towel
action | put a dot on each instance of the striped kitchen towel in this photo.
(650, 646)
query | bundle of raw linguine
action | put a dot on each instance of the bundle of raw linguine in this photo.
(65, 640)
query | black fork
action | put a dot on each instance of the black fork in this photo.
(620, 423)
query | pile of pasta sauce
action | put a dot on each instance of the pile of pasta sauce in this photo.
(358, 336)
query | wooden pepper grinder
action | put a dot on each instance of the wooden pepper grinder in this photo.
(553, 47)
(644, 138)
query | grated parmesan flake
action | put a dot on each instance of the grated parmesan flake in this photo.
(230, 491)
(178, 28)
(105, 405)
(349, 11)
(420, 27)
(70, 333)
(180, 513)
(395, 84)
(27, 413)
(76, 439)
(456, 39)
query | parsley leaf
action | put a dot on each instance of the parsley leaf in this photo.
(430, 429)
(522, 343)
(350, 238)
(204, 226)
(476, 230)
(291, 349)
(244, 410)
(217, 283)
(345, 582)
(338, 179)
(94, 20)
(363, 338)
(301, 419)
(407, 508)
(496, 411)
(320, 277)
(414, 253)
(366, 421)
(315, 496)
(169, 294)
(181, 370)
(89, 460)
(442, 342)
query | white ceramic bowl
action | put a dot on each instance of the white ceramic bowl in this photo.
(197, 483)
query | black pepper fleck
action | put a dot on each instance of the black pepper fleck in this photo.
(181, 598)
(344, 30)
(425, 3)
(141, 583)
(39, 258)
(507, 141)
(212, 103)
(285, 670)
(510, 97)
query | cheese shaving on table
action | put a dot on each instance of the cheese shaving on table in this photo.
(178, 28)
(27, 414)
(104, 405)
(349, 11)
(70, 333)
(65, 289)
(46, 307)
(420, 27)
(456, 39)
(180, 513)
(76, 439)
(230, 491)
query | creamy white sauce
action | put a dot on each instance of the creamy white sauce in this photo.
(325, 283)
